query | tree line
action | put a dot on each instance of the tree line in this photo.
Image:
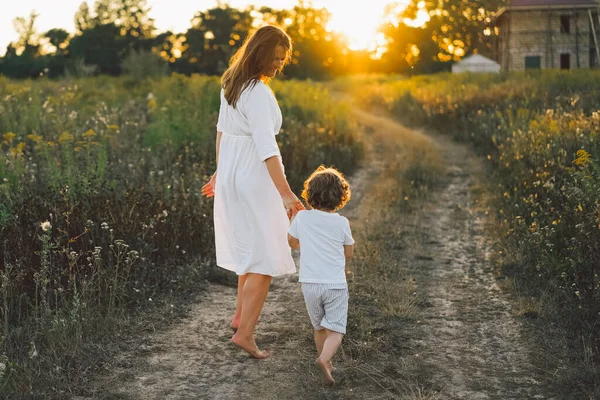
(118, 36)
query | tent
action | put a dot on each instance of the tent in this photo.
(476, 63)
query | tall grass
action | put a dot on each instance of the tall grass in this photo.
(101, 209)
(540, 135)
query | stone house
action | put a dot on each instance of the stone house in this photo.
(540, 34)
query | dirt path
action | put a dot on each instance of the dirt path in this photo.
(472, 344)
(466, 345)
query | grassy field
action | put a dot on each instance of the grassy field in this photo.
(539, 134)
(101, 213)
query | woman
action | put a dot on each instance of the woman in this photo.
(253, 200)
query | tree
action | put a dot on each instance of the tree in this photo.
(83, 19)
(22, 56)
(59, 39)
(458, 27)
(214, 37)
(27, 33)
(103, 46)
(318, 53)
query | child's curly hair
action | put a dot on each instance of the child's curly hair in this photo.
(326, 189)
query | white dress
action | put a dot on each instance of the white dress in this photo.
(251, 222)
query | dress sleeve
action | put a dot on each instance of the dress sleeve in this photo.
(348, 239)
(221, 120)
(260, 121)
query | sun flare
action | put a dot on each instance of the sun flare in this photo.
(360, 24)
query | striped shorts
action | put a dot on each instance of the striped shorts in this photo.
(327, 305)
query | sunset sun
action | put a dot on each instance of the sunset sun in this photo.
(360, 25)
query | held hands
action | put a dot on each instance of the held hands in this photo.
(208, 190)
(292, 204)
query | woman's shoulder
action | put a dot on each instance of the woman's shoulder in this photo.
(257, 94)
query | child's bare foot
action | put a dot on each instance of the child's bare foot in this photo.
(325, 369)
(249, 346)
(235, 322)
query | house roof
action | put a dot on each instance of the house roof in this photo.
(545, 3)
(517, 5)
(477, 59)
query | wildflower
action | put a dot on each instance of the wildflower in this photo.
(104, 226)
(583, 158)
(18, 150)
(34, 138)
(45, 226)
(8, 137)
(65, 137)
(89, 133)
(152, 104)
(113, 128)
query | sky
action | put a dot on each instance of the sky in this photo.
(358, 23)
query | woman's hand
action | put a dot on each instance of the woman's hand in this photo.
(208, 190)
(292, 204)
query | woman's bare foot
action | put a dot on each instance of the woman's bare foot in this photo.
(325, 369)
(249, 346)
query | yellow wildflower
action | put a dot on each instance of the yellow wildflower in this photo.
(65, 137)
(51, 144)
(34, 138)
(583, 158)
(18, 150)
(152, 104)
(77, 149)
(113, 127)
(8, 137)
(90, 133)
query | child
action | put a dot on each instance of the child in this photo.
(325, 240)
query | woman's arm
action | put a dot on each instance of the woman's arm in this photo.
(219, 135)
(291, 203)
(208, 190)
(277, 175)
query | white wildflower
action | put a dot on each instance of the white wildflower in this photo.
(45, 226)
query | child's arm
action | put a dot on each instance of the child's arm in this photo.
(293, 242)
(349, 250)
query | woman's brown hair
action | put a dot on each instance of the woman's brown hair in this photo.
(326, 189)
(253, 60)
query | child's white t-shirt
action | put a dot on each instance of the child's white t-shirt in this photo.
(322, 237)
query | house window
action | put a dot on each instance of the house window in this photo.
(533, 62)
(565, 61)
(565, 24)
